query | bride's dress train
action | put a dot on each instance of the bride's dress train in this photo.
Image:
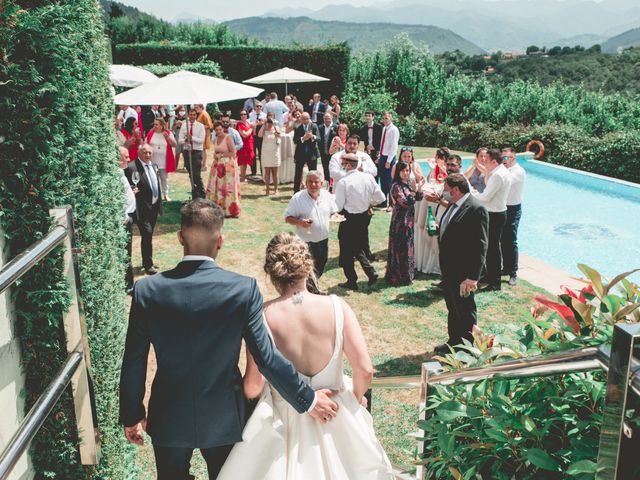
(278, 443)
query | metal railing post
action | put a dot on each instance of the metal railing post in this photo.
(428, 370)
(619, 379)
(76, 340)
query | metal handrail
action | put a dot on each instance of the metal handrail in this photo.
(74, 370)
(21, 264)
(38, 414)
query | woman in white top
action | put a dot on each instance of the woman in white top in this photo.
(162, 142)
(270, 158)
(312, 331)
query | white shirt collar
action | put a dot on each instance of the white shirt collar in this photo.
(462, 200)
(194, 258)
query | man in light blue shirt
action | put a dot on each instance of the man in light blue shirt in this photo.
(229, 130)
(277, 107)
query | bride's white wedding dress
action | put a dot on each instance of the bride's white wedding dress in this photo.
(278, 443)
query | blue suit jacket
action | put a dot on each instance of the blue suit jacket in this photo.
(196, 316)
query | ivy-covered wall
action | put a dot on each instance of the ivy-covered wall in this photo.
(57, 147)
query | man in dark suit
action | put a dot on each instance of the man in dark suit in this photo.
(371, 134)
(316, 109)
(327, 131)
(463, 249)
(196, 316)
(148, 203)
(306, 138)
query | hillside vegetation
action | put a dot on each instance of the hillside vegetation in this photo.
(359, 36)
(593, 70)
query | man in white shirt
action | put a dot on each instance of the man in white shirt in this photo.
(127, 112)
(355, 194)
(191, 137)
(365, 164)
(509, 240)
(494, 199)
(310, 210)
(257, 119)
(276, 106)
(316, 109)
(388, 151)
(129, 214)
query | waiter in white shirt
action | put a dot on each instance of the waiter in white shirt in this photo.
(129, 214)
(388, 151)
(191, 137)
(355, 194)
(365, 163)
(494, 199)
(310, 211)
(509, 240)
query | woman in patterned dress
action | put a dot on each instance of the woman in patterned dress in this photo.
(400, 266)
(223, 187)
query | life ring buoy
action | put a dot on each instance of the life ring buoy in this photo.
(540, 153)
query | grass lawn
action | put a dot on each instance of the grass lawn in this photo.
(401, 325)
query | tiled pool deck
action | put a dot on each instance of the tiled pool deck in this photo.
(545, 276)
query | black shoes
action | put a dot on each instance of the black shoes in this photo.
(349, 286)
(151, 271)
(372, 280)
(442, 349)
(513, 280)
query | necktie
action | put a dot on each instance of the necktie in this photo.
(191, 136)
(152, 180)
(384, 135)
(447, 217)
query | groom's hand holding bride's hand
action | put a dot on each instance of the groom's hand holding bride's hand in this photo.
(325, 408)
(134, 433)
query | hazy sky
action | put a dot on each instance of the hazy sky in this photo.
(225, 9)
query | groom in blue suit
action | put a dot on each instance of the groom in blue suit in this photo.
(196, 316)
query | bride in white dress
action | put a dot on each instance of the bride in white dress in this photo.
(312, 331)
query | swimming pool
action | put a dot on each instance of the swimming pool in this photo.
(571, 217)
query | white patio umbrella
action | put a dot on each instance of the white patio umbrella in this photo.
(185, 87)
(129, 76)
(286, 75)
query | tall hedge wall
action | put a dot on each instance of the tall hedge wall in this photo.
(57, 147)
(242, 62)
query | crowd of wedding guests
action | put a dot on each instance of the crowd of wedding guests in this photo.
(350, 172)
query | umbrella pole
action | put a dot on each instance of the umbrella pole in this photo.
(286, 88)
(191, 173)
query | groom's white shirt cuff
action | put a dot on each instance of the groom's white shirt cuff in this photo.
(313, 404)
(192, 258)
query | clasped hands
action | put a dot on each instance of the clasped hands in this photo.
(134, 432)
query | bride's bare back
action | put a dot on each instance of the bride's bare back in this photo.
(304, 330)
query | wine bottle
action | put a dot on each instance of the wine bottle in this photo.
(432, 231)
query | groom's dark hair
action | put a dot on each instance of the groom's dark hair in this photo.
(202, 214)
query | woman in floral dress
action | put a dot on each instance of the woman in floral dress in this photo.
(223, 187)
(400, 266)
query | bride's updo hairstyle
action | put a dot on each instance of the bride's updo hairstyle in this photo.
(287, 261)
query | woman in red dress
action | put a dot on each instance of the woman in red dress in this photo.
(133, 137)
(246, 154)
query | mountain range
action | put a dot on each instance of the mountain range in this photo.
(495, 25)
(360, 36)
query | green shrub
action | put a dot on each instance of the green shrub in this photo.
(58, 147)
(536, 428)
(202, 66)
(242, 62)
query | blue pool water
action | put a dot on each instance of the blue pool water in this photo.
(569, 217)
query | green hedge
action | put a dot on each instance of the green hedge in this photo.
(615, 154)
(57, 147)
(242, 62)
